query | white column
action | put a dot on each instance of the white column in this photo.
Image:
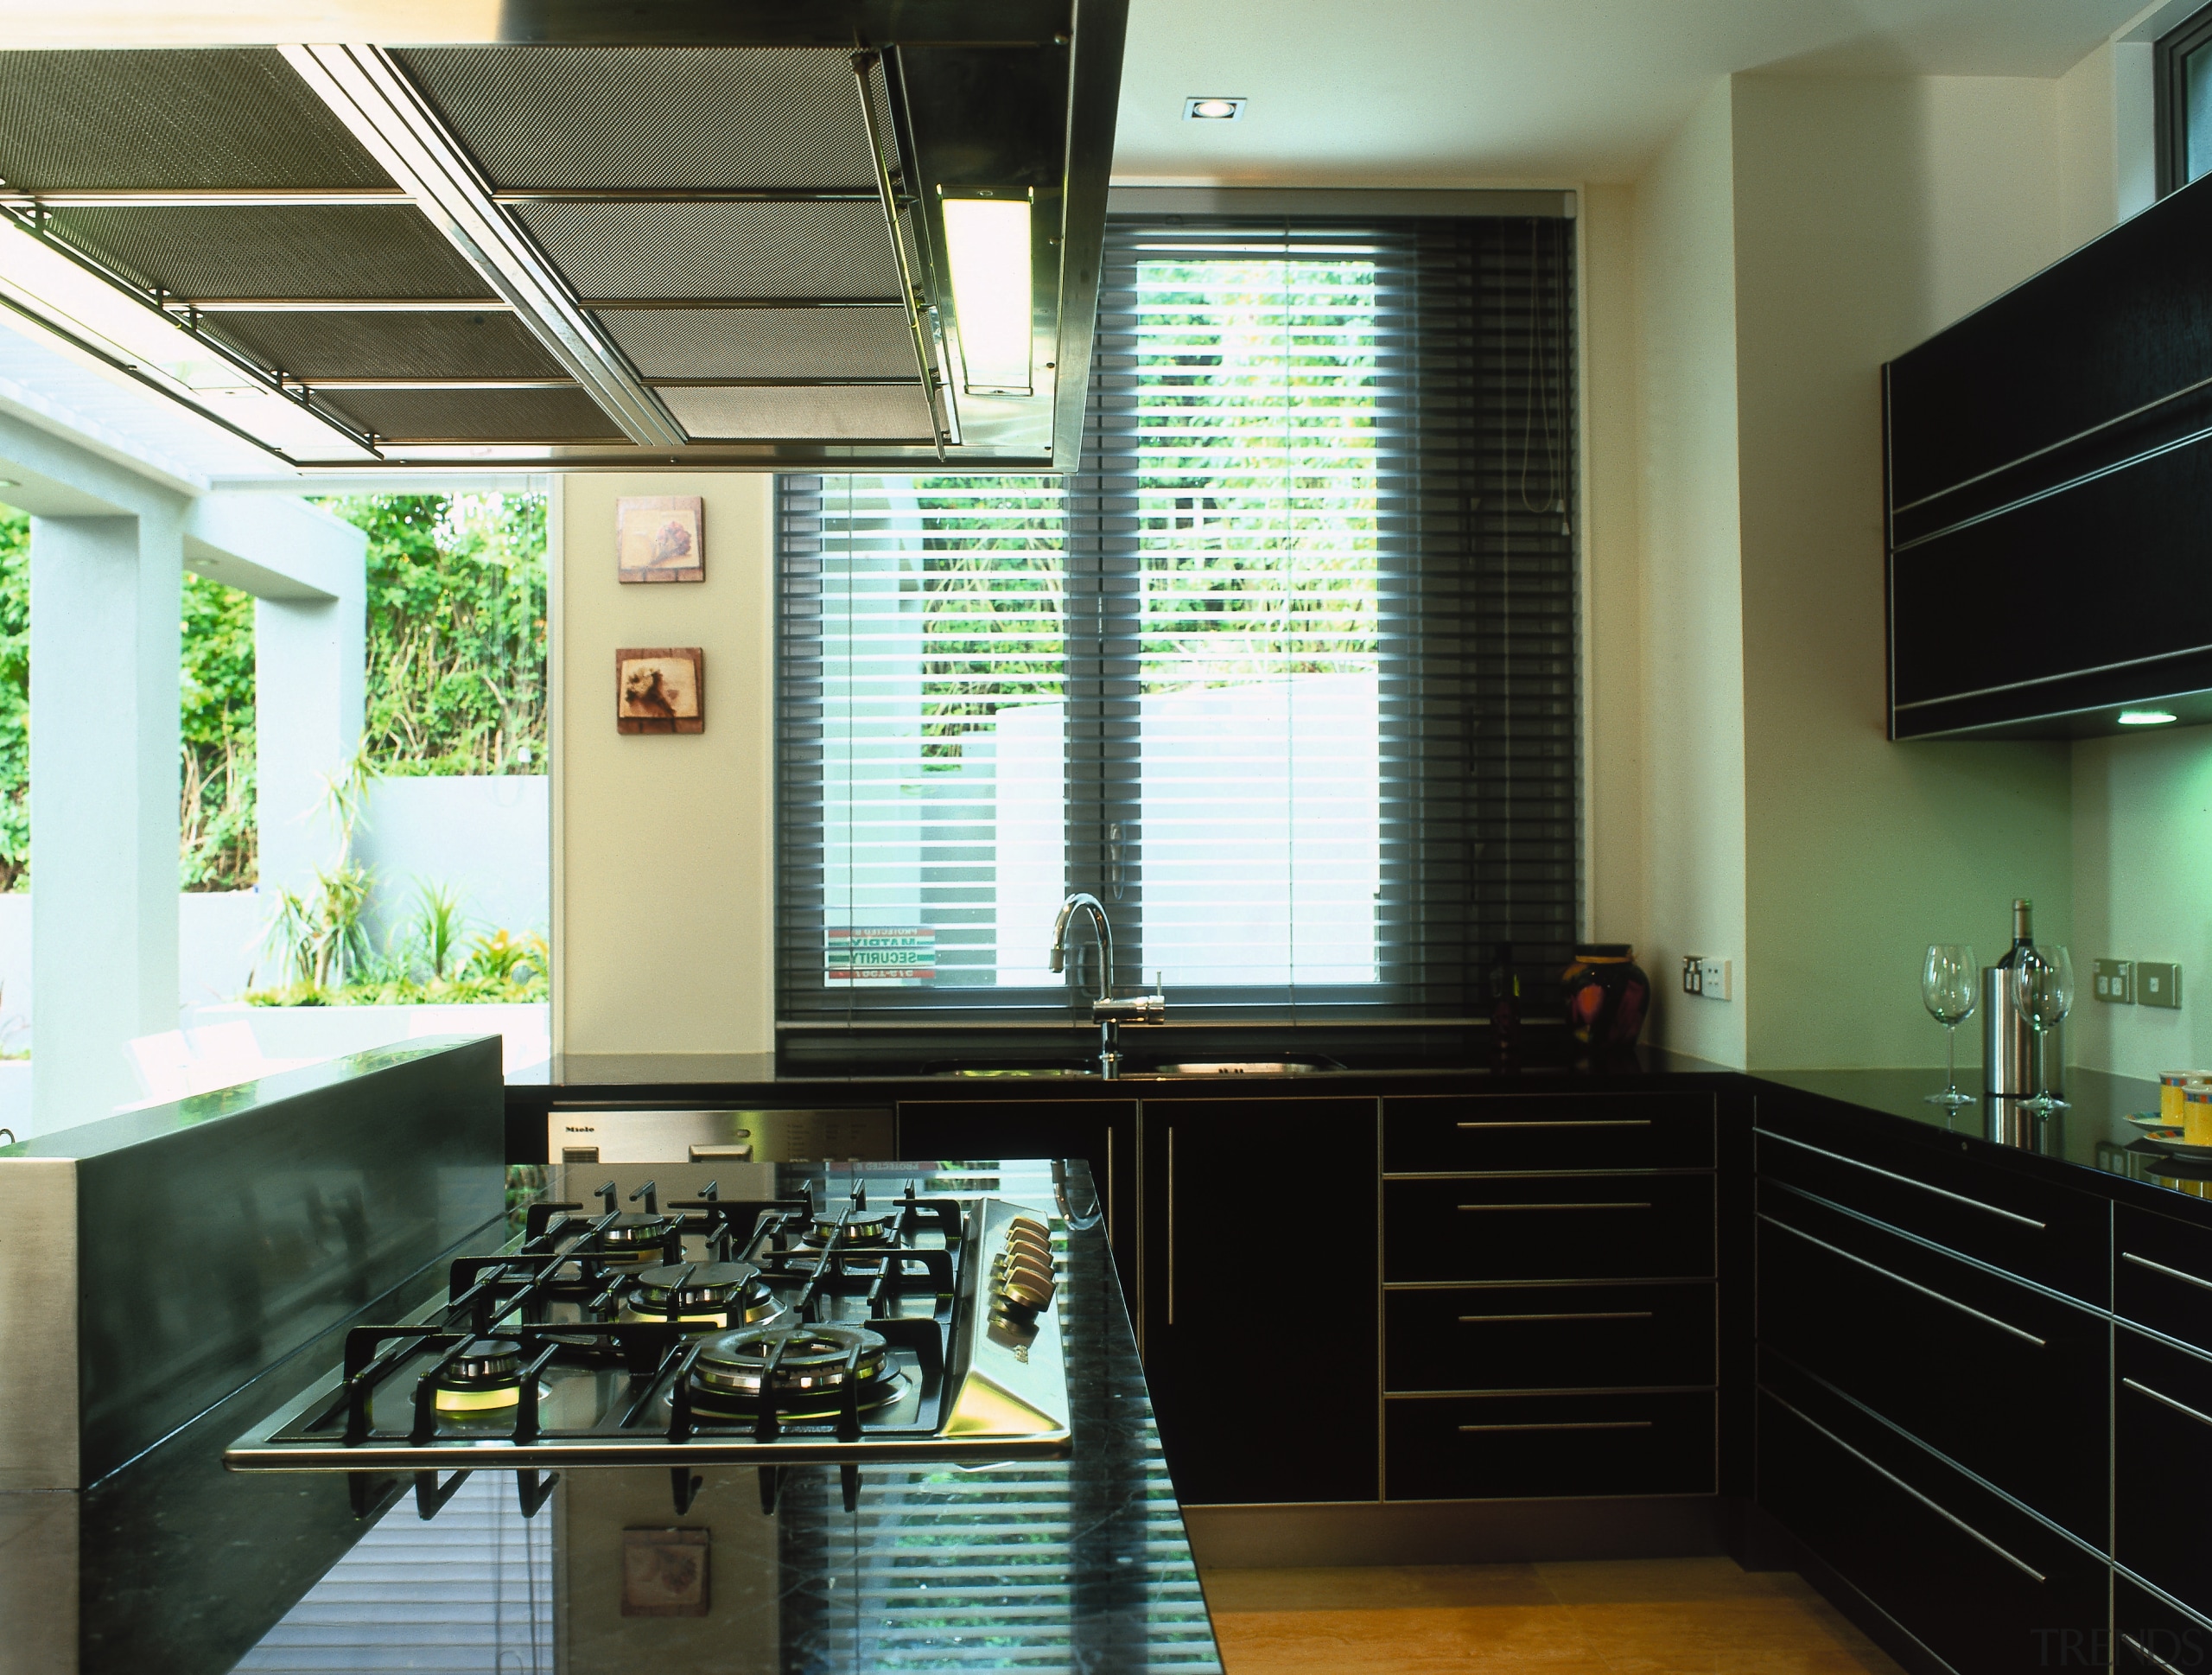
(104, 656)
(308, 658)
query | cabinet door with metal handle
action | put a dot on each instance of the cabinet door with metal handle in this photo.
(2005, 1379)
(1221, 1295)
(2161, 1466)
(1983, 1586)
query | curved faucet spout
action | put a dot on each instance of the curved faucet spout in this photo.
(1082, 902)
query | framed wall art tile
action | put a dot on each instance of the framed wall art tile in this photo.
(660, 689)
(661, 538)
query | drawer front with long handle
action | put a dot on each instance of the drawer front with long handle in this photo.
(1977, 1581)
(2010, 1382)
(2162, 1467)
(1441, 1134)
(1494, 1448)
(1517, 1227)
(1548, 1337)
(2052, 1235)
(2150, 1637)
(2162, 1274)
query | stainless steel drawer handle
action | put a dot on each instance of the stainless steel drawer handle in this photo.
(2160, 1396)
(1570, 1424)
(2161, 1268)
(1944, 1512)
(1892, 1174)
(1875, 1267)
(1587, 1315)
(1566, 1121)
(2146, 1654)
(1556, 1206)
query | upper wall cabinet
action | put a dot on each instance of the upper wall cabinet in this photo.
(2050, 495)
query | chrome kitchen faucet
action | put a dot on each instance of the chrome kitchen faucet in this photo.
(1107, 1012)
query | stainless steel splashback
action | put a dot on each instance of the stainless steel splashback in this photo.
(154, 1261)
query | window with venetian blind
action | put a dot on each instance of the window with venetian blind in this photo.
(1285, 674)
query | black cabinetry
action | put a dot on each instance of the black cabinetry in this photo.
(1260, 1329)
(2049, 473)
(1102, 1132)
(1548, 1266)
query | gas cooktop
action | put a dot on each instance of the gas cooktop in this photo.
(821, 1328)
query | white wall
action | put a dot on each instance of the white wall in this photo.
(485, 837)
(1870, 212)
(1691, 579)
(664, 845)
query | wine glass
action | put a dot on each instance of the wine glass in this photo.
(2043, 988)
(1950, 980)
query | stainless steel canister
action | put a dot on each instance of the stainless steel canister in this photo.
(2013, 1057)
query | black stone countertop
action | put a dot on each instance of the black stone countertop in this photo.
(2092, 1134)
(1065, 1565)
(738, 1076)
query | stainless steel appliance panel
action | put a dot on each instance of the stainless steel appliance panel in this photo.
(584, 1135)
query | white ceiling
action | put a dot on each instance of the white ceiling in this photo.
(1407, 93)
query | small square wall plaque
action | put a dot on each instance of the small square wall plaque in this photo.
(664, 1573)
(660, 689)
(660, 538)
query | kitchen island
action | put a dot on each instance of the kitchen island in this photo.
(1081, 1563)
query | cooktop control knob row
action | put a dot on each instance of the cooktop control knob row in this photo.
(1021, 1273)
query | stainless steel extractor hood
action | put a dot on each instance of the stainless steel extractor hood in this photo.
(562, 236)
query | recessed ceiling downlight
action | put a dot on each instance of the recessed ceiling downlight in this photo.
(2146, 717)
(1214, 107)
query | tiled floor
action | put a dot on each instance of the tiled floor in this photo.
(1695, 1616)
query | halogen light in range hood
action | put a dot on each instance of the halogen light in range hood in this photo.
(740, 243)
(987, 247)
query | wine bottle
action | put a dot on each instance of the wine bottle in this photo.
(2008, 1046)
(2022, 935)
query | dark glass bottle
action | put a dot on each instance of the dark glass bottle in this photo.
(1504, 1013)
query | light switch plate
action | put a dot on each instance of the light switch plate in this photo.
(2158, 985)
(1713, 978)
(2115, 982)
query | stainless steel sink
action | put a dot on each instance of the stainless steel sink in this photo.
(1237, 1067)
(1012, 1072)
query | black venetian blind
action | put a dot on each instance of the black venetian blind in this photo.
(1285, 674)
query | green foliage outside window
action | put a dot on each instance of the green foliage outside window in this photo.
(456, 677)
(218, 849)
(15, 701)
(456, 631)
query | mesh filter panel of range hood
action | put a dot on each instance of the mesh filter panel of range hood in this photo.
(224, 118)
(313, 346)
(213, 251)
(714, 250)
(475, 416)
(877, 413)
(764, 342)
(651, 118)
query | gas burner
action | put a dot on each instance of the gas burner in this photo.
(485, 1374)
(637, 1237)
(722, 1293)
(860, 1232)
(810, 1372)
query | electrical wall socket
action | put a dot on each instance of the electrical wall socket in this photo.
(2115, 982)
(1708, 978)
(2158, 985)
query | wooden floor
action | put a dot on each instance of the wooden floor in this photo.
(1633, 1617)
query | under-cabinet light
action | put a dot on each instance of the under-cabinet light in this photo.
(1213, 108)
(987, 247)
(2146, 717)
